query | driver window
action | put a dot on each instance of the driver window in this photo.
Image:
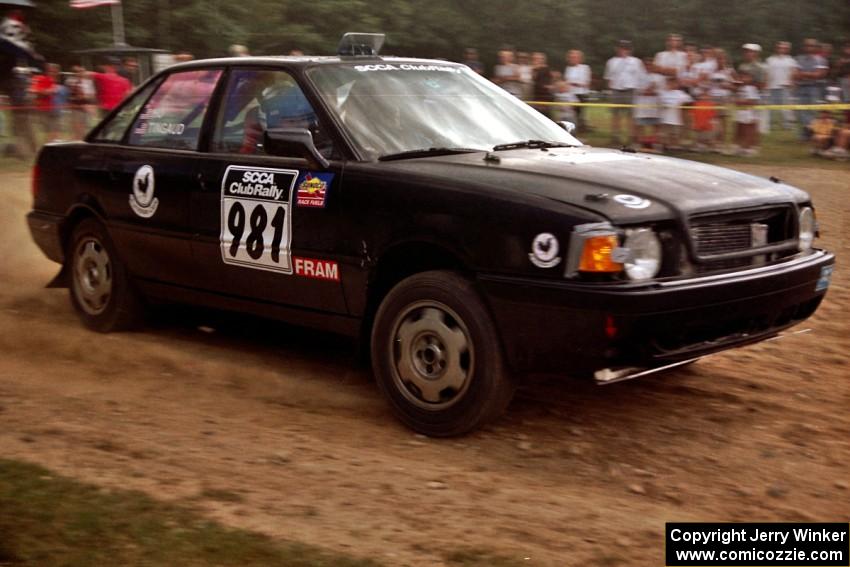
(258, 99)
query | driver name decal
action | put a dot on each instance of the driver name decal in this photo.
(256, 217)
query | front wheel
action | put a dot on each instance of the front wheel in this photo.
(101, 290)
(436, 355)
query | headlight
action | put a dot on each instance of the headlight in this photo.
(806, 236)
(644, 254)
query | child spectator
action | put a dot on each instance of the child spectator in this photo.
(841, 149)
(704, 120)
(746, 120)
(647, 106)
(821, 129)
(562, 92)
(671, 101)
(720, 94)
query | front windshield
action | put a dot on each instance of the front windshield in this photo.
(391, 107)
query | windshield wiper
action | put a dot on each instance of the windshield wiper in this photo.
(531, 144)
(424, 152)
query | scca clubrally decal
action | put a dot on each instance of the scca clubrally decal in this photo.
(256, 217)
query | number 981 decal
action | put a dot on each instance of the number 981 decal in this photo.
(256, 223)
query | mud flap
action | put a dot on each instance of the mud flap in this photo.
(61, 279)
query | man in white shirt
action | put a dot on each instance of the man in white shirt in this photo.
(780, 78)
(706, 66)
(624, 74)
(811, 69)
(578, 75)
(506, 73)
(673, 61)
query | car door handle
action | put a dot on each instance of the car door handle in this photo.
(201, 181)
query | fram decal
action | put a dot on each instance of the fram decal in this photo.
(313, 189)
(318, 269)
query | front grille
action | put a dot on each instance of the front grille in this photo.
(718, 238)
(714, 234)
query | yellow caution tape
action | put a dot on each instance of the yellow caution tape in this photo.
(830, 106)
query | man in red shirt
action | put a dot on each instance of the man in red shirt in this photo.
(44, 88)
(111, 87)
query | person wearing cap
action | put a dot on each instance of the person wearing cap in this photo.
(624, 74)
(757, 71)
(812, 67)
(780, 79)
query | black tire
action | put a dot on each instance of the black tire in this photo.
(92, 262)
(432, 330)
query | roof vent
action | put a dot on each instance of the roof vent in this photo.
(355, 44)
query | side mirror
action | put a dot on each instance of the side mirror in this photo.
(570, 127)
(294, 142)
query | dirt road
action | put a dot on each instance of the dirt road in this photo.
(275, 429)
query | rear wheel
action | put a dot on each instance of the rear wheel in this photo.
(436, 355)
(101, 291)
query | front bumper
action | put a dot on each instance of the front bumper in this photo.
(579, 327)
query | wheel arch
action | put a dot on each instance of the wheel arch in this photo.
(86, 207)
(78, 212)
(398, 262)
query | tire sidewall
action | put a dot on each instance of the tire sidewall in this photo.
(121, 300)
(489, 377)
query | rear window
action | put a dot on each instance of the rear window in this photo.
(173, 116)
(116, 127)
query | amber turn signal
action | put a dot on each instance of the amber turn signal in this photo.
(596, 255)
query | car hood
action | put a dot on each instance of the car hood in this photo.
(622, 186)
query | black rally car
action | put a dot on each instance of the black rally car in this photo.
(416, 205)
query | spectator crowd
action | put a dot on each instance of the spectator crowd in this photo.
(691, 97)
(684, 97)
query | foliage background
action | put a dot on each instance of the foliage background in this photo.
(438, 28)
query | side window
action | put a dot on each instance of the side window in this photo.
(259, 99)
(173, 116)
(113, 131)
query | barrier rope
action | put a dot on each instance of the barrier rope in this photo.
(825, 106)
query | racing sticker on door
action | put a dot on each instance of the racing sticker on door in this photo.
(256, 217)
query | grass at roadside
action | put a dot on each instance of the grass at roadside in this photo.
(47, 520)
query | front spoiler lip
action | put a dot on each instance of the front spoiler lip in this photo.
(606, 376)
